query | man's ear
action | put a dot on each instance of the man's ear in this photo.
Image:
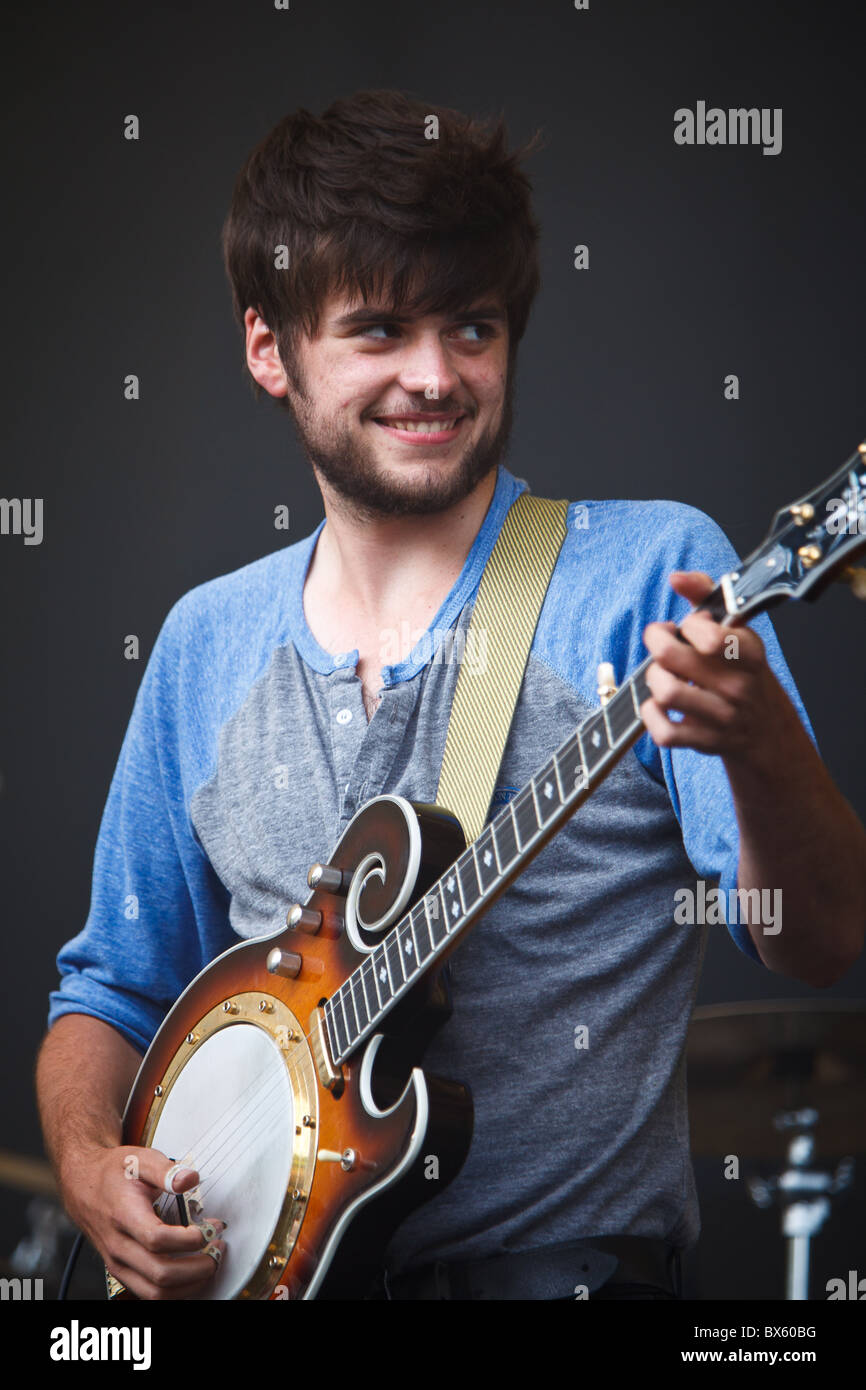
(263, 358)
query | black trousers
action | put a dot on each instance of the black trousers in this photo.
(603, 1268)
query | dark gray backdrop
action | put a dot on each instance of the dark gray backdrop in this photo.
(703, 262)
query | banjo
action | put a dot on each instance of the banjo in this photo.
(288, 1074)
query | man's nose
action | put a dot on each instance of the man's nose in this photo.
(426, 367)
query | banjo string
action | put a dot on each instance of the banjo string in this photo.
(201, 1154)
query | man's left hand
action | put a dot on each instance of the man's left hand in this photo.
(719, 679)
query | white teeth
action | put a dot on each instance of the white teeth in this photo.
(422, 426)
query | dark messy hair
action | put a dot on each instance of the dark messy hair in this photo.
(365, 203)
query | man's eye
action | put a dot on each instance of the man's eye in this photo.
(372, 329)
(483, 330)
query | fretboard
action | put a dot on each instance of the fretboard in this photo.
(426, 933)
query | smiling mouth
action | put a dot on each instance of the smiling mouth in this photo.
(426, 426)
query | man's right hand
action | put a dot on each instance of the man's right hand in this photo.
(110, 1192)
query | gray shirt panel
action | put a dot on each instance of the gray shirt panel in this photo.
(570, 1139)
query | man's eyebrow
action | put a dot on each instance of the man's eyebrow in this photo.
(373, 315)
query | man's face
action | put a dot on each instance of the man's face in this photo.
(403, 415)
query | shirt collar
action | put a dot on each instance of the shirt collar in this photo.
(326, 663)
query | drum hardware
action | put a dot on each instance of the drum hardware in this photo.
(782, 1080)
(38, 1252)
(803, 1195)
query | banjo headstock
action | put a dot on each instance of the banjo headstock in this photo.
(810, 543)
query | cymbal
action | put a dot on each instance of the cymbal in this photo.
(747, 1063)
(26, 1173)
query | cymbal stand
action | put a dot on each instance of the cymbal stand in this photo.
(802, 1193)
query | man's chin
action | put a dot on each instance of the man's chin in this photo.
(416, 487)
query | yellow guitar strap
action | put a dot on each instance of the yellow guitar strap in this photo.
(506, 613)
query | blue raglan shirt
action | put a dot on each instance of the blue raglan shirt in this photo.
(249, 750)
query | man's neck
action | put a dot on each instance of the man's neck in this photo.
(369, 576)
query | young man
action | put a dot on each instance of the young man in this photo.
(384, 280)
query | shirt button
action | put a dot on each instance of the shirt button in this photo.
(344, 716)
(339, 658)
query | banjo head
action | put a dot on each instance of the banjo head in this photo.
(238, 1103)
